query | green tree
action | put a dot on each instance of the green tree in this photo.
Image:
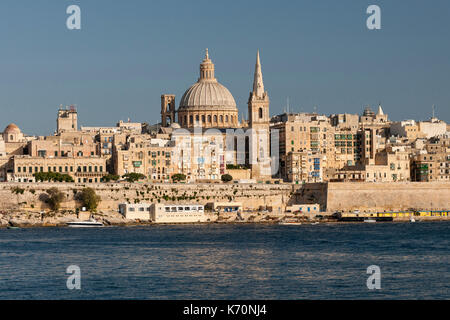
(52, 176)
(226, 178)
(178, 177)
(109, 177)
(133, 177)
(55, 197)
(89, 199)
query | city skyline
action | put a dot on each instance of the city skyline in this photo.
(111, 76)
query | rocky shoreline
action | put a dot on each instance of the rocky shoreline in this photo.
(60, 219)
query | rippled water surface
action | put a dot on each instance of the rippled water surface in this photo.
(228, 262)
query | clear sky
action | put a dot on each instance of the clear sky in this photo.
(317, 53)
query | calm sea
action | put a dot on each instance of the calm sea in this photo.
(228, 262)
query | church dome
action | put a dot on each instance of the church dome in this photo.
(207, 103)
(12, 129)
(205, 94)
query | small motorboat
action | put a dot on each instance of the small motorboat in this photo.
(285, 223)
(13, 228)
(91, 223)
(370, 220)
(289, 222)
(412, 219)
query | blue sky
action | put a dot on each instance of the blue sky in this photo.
(317, 53)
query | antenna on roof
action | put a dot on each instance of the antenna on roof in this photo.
(433, 111)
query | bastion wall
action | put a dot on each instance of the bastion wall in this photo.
(331, 196)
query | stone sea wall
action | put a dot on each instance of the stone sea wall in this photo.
(26, 197)
(331, 196)
(388, 196)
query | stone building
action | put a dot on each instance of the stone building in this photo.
(143, 154)
(66, 144)
(82, 170)
(304, 167)
(209, 105)
(67, 120)
(369, 118)
(432, 161)
(432, 128)
(303, 133)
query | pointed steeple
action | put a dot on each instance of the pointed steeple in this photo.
(258, 84)
(380, 110)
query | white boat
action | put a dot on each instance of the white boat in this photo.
(91, 223)
(286, 223)
(289, 222)
(370, 220)
(412, 219)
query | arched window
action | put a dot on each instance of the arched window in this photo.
(203, 119)
(191, 119)
(11, 137)
(226, 118)
(209, 118)
(221, 119)
(215, 119)
(185, 119)
(260, 113)
(197, 118)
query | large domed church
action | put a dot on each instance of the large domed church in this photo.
(209, 104)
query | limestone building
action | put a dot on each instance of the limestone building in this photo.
(67, 120)
(143, 154)
(209, 105)
(82, 170)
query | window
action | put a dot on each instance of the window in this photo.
(260, 113)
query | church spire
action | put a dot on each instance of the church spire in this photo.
(258, 84)
(380, 110)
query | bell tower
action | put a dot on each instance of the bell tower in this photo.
(167, 109)
(259, 117)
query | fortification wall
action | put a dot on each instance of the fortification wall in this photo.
(388, 196)
(252, 196)
(331, 196)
